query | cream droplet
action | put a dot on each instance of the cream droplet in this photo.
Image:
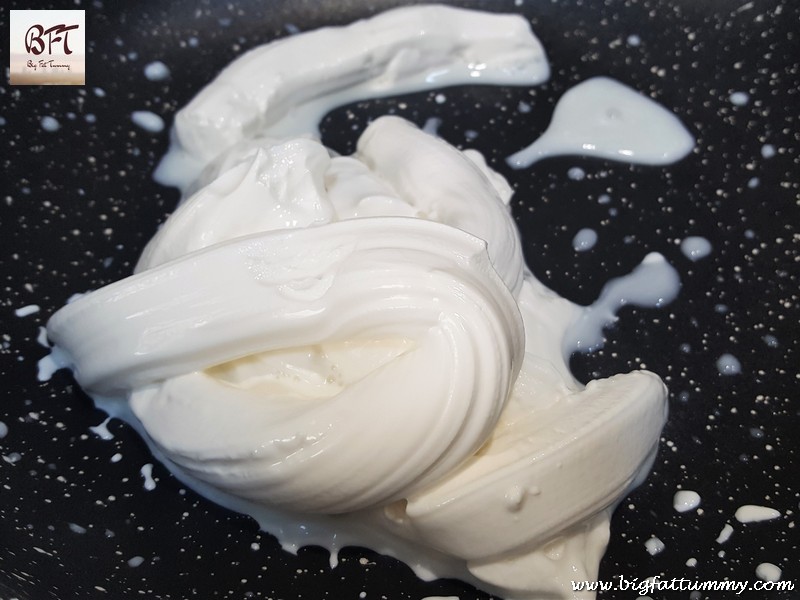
(654, 546)
(750, 513)
(147, 474)
(725, 534)
(685, 500)
(514, 497)
(768, 572)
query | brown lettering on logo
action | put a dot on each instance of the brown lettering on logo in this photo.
(34, 38)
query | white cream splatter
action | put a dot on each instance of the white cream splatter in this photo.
(50, 124)
(768, 572)
(652, 284)
(725, 534)
(695, 247)
(24, 311)
(728, 364)
(602, 117)
(654, 546)
(147, 474)
(149, 121)
(584, 240)
(751, 513)
(156, 71)
(135, 561)
(75, 528)
(576, 174)
(102, 430)
(739, 98)
(685, 500)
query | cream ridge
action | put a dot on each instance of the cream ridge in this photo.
(351, 348)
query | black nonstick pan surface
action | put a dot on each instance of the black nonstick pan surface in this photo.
(79, 203)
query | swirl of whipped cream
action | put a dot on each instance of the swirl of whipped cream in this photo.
(359, 334)
(434, 181)
(437, 333)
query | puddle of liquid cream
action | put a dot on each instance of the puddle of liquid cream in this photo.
(604, 118)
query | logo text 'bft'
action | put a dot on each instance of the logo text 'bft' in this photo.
(34, 42)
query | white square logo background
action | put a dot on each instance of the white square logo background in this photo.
(47, 47)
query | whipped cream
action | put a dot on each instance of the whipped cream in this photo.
(350, 348)
(283, 89)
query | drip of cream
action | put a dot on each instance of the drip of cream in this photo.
(604, 118)
(653, 283)
(300, 309)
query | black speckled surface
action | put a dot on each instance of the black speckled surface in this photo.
(78, 205)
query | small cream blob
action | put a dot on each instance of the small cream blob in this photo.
(695, 247)
(156, 71)
(584, 240)
(769, 572)
(24, 311)
(147, 475)
(147, 120)
(728, 364)
(751, 513)
(685, 500)
(50, 124)
(725, 534)
(654, 546)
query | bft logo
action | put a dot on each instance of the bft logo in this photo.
(35, 43)
(48, 47)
